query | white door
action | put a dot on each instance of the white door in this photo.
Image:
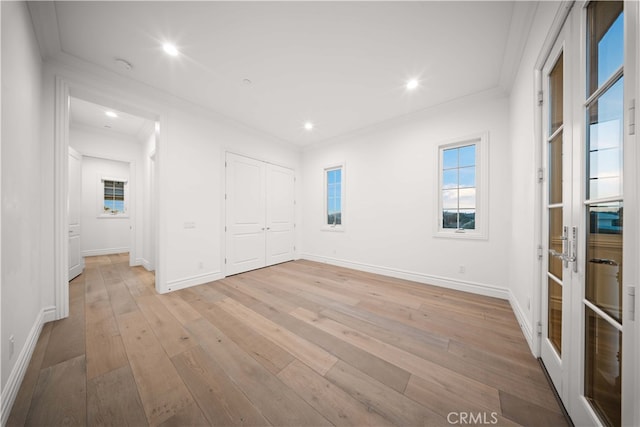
(245, 214)
(280, 230)
(259, 214)
(556, 278)
(76, 261)
(588, 332)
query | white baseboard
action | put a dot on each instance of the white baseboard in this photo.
(460, 285)
(107, 251)
(187, 282)
(523, 321)
(16, 376)
(146, 264)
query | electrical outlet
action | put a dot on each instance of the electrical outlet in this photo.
(12, 344)
(189, 224)
(200, 265)
(461, 269)
(528, 303)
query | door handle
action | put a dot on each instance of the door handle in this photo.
(604, 261)
(556, 254)
(574, 249)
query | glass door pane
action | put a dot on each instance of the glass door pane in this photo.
(604, 210)
(556, 241)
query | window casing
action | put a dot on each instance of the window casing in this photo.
(334, 191)
(462, 188)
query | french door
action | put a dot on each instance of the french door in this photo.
(588, 331)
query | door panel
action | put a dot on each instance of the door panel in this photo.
(556, 279)
(76, 261)
(245, 207)
(280, 214)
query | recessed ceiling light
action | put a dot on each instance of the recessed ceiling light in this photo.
(111, 114)
(412, 84)
(308, 126)
(170, 49)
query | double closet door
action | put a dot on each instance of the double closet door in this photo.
(260, 209)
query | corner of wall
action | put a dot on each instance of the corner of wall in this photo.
(16, 376)
(521, 317)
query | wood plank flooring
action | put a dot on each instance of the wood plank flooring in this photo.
(297, 344)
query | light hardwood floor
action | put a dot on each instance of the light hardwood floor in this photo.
(297, 344)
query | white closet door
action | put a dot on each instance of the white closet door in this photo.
(280, 214)
(245, 212)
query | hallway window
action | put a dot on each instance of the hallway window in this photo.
(114, 202)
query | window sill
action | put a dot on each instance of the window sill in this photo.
(105, 216)
(333, 228)
(470, 235)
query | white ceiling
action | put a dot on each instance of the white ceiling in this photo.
(341, 65)
(86, 113)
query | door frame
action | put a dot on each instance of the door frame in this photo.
(63, 88)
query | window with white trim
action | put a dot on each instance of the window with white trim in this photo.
(462, 191)
(114, 197)
(334, 197)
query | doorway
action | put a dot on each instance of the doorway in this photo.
(65, 93)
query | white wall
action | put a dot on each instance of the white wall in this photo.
(524, 160)
(391, 199)
(109, 235)
(191, 167)
(22, 210)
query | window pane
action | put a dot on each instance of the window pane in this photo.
(331, 177)
(450, 179)
(555, 170)
(467, 219)
(331, 191)
(605, 163)
(467, 156)
(467, 198)
(468, 177)
(555, 241)
(603, 368)
(603, 279)
(450, 199)
(556, 95)
(554, 328)
(450, 158)
(605, 46)
(605, 134)
(334, 196)
(450, 219)
(118, 206)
